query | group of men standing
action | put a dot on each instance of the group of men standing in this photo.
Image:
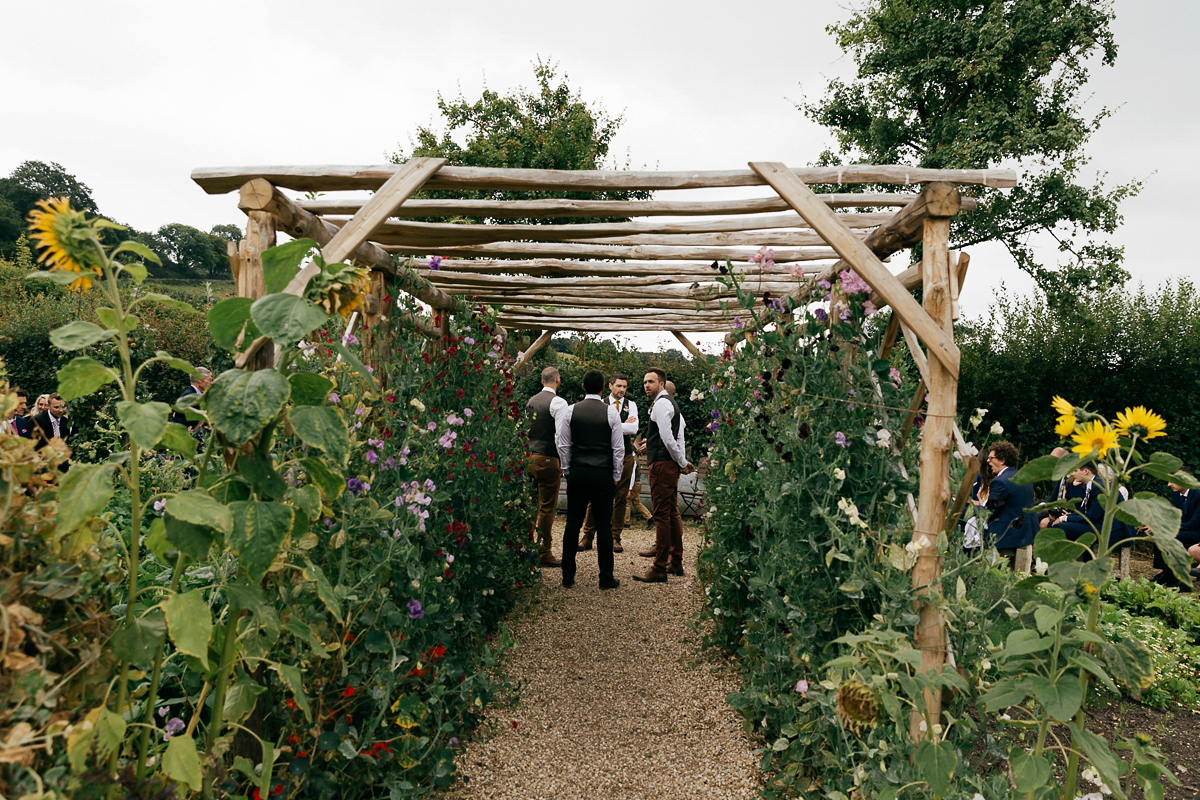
(595, 443)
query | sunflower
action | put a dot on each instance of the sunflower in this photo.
(339, 292)
(1062, 407)
(1140, 422)
(1065, 425)
(1094, 437)
(66, 238)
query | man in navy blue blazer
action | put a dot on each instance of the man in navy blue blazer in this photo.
(1088, 516)
(1011, 525)
(1188, 502)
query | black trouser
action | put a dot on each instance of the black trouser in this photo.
(589, 485)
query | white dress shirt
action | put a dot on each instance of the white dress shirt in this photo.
(562, 438)
(630, 426)
(660, 415)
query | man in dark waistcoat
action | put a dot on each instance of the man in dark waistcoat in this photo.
(591, 450)
(665, 454)
(544, 413)
(618, 385)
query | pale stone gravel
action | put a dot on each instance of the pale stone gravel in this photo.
(617, 699)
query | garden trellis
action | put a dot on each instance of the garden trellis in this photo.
(650, 269)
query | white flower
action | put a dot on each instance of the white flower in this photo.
(997, 429)
(883, 438)
(696, 395)
(975, 420)
(1040, 567)
(981, 412)
(416, 584)
(417, 404)
(839, 473)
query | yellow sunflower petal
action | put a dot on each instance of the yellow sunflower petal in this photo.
(1065, 426)
(1094, 437)
(1062, 407)
(1141, 422)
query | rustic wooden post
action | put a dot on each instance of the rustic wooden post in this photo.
(260, 236)
(522, 363)
(936, 442)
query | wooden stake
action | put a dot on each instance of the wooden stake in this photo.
(260, 236)
(936, 441)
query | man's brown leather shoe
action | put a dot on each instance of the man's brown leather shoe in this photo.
(550, 561)
(617, 546)
(675, 570)
(652, 576)
(651, 553)
(584, 544)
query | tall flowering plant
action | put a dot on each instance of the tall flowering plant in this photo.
(1047, 669)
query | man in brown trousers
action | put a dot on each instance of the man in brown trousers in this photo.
(544, 412)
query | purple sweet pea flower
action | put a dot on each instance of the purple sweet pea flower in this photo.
(334, 397)
(350, 338)
(821, 315)
(355, 485)
(372, 456)
(801, 687)
(840, 438)
(468, 413)
(414, 609)
(435, 262)
(174, 726)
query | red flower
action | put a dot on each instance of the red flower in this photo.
(278, 789)
(391, 398)
(437, 651)
(348, 691)
(514, 722)
(290, 703)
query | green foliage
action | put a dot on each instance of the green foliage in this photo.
(1124, 349)
(980, 84)
(552, 128)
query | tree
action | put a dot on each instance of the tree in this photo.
(982, 83)
(191, 251)
(230, 233)
(552, 129)
(51, 180)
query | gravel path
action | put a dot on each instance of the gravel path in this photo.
(617, 699)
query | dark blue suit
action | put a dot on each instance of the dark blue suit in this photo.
(1011, 524)
(1189, 527)
(1089, 516)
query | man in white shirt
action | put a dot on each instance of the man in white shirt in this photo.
(591, 450)
(545, 411)
(618, 385)
(666, 455)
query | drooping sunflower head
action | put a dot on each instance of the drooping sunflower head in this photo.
(1094, 436)
(66, 239)
(856, 704)
(1065, 425)
(1140, 422)
(1062, 407)
(341, 291)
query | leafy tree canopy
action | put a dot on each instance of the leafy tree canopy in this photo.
(975, 84)
(552, 128)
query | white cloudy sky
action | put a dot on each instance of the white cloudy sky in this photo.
(131, 96)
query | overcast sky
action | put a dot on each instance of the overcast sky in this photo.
(131, 96)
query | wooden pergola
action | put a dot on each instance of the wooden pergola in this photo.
(653, 272)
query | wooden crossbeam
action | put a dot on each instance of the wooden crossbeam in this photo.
(398, 188)
(564, 207)
(696, 270)
(437, 233)
(219, 180)
(538, 344)
(864, 261)
(557, 250)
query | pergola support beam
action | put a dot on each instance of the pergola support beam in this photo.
(375, 212)
(941, 201)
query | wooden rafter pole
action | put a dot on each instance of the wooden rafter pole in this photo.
(690, 346)
(942, 203)
(375, 212)
(538, 344)
(260, 236)
(937, 439)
